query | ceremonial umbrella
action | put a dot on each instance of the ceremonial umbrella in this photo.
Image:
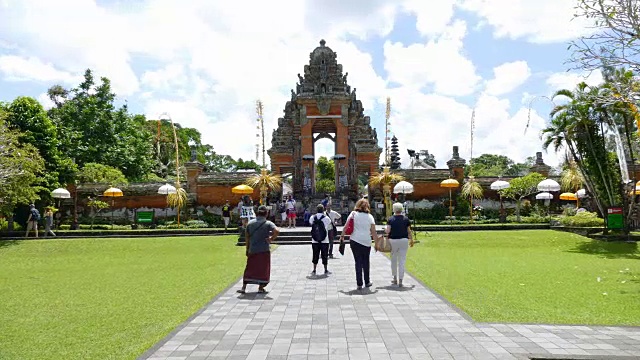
(60, 193)
(500, 185)
(242, 189)
(112, 193)
(450, 184)
(545, 196)
(548, 185)
(167, 189)
(403, 187)
(569, 196)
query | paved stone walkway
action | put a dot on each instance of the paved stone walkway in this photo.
(304, 317)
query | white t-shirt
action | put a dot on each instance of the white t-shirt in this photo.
(327, 224)
(333, 215)
(291, 204)
(362, 228)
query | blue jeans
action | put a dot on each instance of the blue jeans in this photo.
(361, 257)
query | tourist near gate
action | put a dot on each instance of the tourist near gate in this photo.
(324, 105)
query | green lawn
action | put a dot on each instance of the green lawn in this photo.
(535, 276)
(106, 299)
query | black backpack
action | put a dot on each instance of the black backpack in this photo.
(35, 215)
(318, 231)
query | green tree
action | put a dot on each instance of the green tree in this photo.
(29, 117)
(325, 186)
(578, 125)
(20, 167)
(215, 162)
(96, 206)
(101, 174)
(495, 165)
(325, 169)
(246, 165)
(92, 129)
(522, 187)
(164, 145)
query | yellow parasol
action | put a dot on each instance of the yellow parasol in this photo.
(242, 189)
(568, 196)
(571, 197)
(112, 192)
(450, 184)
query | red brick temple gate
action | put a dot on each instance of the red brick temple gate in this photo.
(323, 105)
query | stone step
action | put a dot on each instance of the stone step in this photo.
(297, 237)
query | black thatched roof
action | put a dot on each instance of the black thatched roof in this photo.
(225, 178)
(133, 189)
(425, 174)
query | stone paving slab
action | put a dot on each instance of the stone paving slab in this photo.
(307, 317)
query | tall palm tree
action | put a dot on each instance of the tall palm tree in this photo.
(385, 178)
(578, 125)
(472, 190)
(266, 182)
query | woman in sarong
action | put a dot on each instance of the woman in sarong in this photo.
(259, 234)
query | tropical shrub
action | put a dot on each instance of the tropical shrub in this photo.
(582, 219)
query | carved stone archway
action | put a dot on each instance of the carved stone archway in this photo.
(323, 103)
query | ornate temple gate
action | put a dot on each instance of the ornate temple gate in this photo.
(324, 104)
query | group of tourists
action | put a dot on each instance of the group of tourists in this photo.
(361, 229)
(34, 218)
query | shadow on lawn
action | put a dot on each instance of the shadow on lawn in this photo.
(7, 243)
(608, 250)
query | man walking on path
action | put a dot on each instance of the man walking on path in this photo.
(319, 238)
(226, 214)
(32, 221)
(333, 228)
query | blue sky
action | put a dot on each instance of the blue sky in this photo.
(207, 62)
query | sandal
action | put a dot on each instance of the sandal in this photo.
(262, 291)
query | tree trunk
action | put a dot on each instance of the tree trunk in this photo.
(518, 209)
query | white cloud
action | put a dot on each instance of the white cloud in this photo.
(436, 123)
(539, 21)
(440, 62)
(569, 80)
(17, 68)
(45, 101)
(73, 35)
(207, 62)
(168, 77)
(507, 77)
(361, 18)
(432, 16)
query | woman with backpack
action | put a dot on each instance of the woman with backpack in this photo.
(399, 232)
(364, 231)
(320, 223)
